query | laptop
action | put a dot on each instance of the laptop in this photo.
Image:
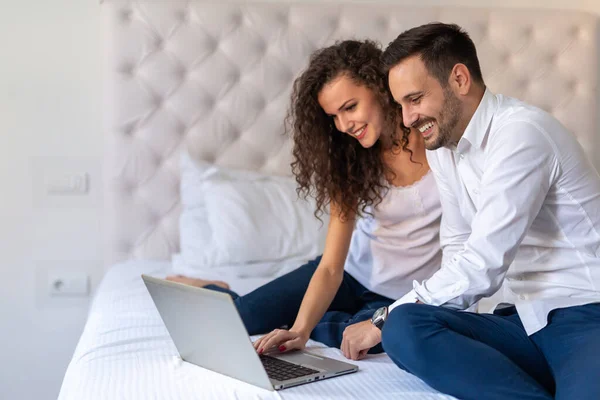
(208, 331)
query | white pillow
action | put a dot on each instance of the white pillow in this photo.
(240, 217)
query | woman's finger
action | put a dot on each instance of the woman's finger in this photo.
(273, 341)
(260, 345)
(294, 344)
(258, 341)
(261, 341)
(277, 339)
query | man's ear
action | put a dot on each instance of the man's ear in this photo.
(460, 79)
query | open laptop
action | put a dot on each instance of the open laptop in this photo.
(208, 331)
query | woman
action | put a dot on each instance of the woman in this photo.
(354, 155)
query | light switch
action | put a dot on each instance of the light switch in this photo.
(68, 183)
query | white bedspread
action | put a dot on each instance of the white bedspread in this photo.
(125, 352)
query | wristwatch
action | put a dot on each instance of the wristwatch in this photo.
(379, 317)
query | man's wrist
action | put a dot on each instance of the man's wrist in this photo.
(376, 331)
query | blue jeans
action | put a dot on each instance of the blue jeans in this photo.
(276, 304)
(490, 356)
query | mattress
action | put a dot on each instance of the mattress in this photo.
(125, 352)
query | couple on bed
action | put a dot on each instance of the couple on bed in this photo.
(505, 192)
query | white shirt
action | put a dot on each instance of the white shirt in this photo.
(399, 241)
(521, 208)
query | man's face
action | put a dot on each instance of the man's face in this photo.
(433, 110)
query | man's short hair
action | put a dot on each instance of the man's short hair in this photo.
(440, 46)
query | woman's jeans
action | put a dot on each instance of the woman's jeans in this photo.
(276, 305)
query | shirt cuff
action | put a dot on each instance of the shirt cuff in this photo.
(410, 297)
(445, 286)
(436, 291)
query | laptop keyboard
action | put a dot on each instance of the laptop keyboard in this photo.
(283, 370)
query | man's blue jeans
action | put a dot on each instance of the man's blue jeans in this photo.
(490, 356)
(276, 304)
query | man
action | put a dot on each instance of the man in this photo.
(521, 210)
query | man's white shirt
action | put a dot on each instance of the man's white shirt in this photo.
(521, 213)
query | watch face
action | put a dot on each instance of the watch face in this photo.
(379, 316)
(379, 313)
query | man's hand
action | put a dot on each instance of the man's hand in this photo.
(358, 338)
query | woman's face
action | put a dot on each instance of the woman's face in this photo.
(354, 109)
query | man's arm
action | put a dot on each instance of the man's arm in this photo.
(520, 168)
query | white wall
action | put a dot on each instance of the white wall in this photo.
(50, 121)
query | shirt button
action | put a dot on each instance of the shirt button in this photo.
(523, 297)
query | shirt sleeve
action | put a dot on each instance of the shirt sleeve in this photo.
(520, 167)
(454, 229)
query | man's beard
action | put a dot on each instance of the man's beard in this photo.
(447, 121)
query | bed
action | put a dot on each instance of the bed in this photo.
(207, 84)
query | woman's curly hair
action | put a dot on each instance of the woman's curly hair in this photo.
(329, 164)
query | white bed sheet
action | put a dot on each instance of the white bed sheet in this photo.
(125, 352)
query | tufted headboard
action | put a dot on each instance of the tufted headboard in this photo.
(215, 78)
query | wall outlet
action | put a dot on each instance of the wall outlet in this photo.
(68, 283)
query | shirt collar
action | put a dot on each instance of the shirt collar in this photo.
(477, 129)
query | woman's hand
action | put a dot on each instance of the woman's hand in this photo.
(281, 339)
